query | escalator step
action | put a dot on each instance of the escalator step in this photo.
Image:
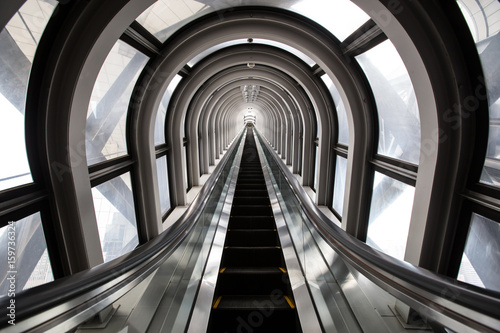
(252, 237)
(250, 209)
(253, 270)
(258, 282)
(252, 257)
(251, 200)
(255, 302)
(251, 222)
(261, 187)
(250, 192)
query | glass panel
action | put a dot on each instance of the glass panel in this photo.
(164, 17)
(25, 262)
(161, 166)
(316, 167)
(18, 43)
(339, 185)
(282, 46)
(399, 120)
(107, 113)
(481, 259)
(483, 18)
(213, 49)
(341, 112)
(186, 172)
(340, 17)
(115, 212)
(285, 47)
(390, 214)
(162, 111)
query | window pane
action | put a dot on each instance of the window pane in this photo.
(316, 167)
(162, 111)
(481, 259)
(31, 266)
(115, 212)
(186, 173)
(341, 112)
(18, 43)
(339, 185)
(163, 18)
(390, 214)
(161, 166)
(483, 18)
(340, 17)
(399, 120)
(107, 114)
(282, 46)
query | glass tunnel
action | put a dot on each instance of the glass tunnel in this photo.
(250, 166)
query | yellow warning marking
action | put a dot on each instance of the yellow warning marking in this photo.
(228, 229)
(226, 247)
(274, 229)
(222, 270)
(282, 269)
(216, 304)
(290, 302)
(278, 247)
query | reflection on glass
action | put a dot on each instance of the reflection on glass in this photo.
(213, 49)
(164, 17)
(340, 17)
(282, 46)
(107, 113)
(339, 185)
(186, 172)
(287, 48)
(115, 213)
(162, 111)
(316, 167)
(161, 167)
(399, 120)
(341, 112)
(18, 42)
(481, 259)
(483, 20)
(26, 241)
(390, 214)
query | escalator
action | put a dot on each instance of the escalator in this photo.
(253, 289)
(221, 267)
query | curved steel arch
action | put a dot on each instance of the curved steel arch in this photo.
(255, 73)
(285, 62)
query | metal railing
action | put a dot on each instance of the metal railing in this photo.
(63, 304)
(453, 304)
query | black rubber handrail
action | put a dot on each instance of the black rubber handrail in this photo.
(46, 306)
(435, 296)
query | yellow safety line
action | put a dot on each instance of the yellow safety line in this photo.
(216, 304)
(222, 270)
(274, 229)
(290, 302)
(278, 247)
(282, 269)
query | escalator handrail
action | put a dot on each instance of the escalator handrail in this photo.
(55, 302)
(435, 294)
